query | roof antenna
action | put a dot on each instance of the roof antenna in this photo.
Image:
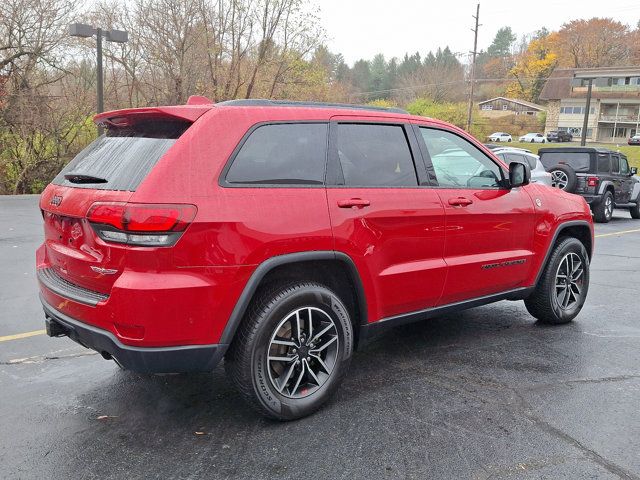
(199, 100)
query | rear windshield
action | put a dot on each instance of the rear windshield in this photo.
(579, 161)
(123, 157)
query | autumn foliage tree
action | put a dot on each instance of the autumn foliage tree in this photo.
(597, 42)
(532, 68)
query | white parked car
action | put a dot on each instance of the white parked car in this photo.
(533, 138)
(500, 137)
(538, 172)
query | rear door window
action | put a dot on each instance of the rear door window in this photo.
(282, 154)
(579, 161)
(615, 164)
(373, 155)
(122, 158)
(604, 163)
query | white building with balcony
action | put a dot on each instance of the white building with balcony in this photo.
(614, 114)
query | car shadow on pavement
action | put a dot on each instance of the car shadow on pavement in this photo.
(482, 341)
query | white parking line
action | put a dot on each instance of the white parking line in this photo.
(617, 233)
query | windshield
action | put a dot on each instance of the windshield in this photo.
(122, 158)
(579, 161)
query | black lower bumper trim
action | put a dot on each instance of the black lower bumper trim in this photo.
(190, 358)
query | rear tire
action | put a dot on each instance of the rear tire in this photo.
(279, 360)
(563, 286)
(635, 211)
(603, 211)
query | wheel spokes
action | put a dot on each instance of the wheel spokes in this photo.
(282, 341)
(282, 359)
(303, 352)
(322, 332)
(285, 380)
(300, 377)
(320, 361)
(326, 344)
(311, 372)
(568, 283)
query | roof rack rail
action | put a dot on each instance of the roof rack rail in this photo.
(260, 102)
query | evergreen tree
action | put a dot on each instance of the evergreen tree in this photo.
(501, 45)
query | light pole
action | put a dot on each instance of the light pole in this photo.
(85, 31)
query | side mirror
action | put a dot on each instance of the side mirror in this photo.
(634, 170)
(519, 174)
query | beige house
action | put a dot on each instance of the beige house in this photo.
(614, 114)
(499, 106)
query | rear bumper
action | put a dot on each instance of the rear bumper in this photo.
(179, 359)
(592, 199)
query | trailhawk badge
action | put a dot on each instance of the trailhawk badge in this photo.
(56, 200)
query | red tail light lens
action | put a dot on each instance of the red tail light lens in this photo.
(592, 181)
(140, 224)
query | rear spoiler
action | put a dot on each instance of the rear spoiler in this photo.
(187, 113)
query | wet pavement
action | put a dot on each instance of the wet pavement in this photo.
(487, 393)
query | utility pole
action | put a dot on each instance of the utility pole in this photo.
(585, 122)
(473, 67)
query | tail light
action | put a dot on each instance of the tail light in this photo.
(152, 225)
(592, 181)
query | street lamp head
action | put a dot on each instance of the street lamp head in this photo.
(118, 36)
(85, 31)
(81, 30)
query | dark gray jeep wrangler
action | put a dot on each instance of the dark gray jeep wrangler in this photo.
(601, 176)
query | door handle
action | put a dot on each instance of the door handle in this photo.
(353, 202)
(460, 201)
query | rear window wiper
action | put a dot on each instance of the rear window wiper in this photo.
(84, 178)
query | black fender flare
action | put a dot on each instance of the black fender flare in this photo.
(265, 267)
(561, 227)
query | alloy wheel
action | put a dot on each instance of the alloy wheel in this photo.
(303, 352)
(569, 281)
(608, 207)
(559, 179)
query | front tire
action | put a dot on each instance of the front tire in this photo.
(603, 211)
(292, 350)
(563, 286)
(635, 210)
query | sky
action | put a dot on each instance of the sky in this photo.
(363, 28)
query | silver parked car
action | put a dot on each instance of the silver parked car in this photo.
(538, 173)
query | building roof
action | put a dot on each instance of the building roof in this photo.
(514, 100)
(627, 71)
(558, 85)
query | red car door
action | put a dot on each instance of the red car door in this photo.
(489, 228)
(392, 228)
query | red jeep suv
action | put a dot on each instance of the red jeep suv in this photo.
(281, 235)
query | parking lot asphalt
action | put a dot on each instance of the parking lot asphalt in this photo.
(487, 393)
